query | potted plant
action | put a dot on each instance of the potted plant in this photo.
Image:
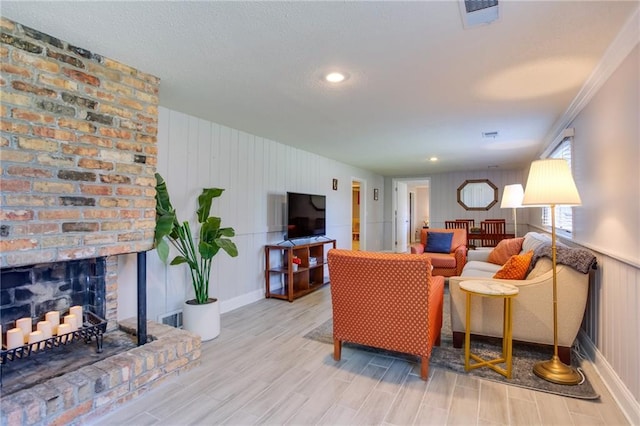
(202, 314)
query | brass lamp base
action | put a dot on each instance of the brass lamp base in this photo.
(556, 371)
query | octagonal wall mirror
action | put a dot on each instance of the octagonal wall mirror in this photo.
(477, 194)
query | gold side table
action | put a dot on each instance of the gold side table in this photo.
(490, 289)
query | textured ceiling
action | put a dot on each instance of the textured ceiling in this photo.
(419, 84)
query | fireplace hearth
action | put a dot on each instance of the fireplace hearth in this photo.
(93, 390)
(41, 366)
(74, 382)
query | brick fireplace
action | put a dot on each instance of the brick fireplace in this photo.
(77, 163)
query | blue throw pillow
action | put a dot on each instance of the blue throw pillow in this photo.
(439, 242)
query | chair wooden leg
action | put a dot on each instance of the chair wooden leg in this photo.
(458, 339)
(424, 368)
(337, 349)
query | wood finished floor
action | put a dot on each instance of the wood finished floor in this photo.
(260, 370)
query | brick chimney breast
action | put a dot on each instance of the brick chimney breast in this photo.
(78, 151)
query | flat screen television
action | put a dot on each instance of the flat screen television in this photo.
(306, 215)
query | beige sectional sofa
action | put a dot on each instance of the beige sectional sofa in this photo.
(532, 308)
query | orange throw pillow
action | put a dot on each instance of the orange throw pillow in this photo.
(516, 267)
(504, 250)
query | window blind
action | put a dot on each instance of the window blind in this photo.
(564, 214)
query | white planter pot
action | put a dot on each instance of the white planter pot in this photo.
(203, 320)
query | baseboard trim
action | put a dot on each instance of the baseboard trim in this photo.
(623, 396)
(240, 301)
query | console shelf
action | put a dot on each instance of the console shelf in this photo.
(308, 277)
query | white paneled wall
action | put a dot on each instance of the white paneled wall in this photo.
(444, 202)
(256, 173)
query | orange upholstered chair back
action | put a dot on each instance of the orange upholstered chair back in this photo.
(385, 300)
(459, 237)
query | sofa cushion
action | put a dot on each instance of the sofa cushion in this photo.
(504, 250)
(516, 267)
(439, 242)
(543, 265)
(533, 240)
(480, 269)
(441, 260)
(483, 266)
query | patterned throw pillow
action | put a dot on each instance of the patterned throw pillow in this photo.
(516, 267)
(439, 242)
(504, 250)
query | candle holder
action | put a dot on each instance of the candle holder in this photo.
(93, 326)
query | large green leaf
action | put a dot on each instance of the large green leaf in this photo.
(204, 202)
(210, 230)
(162, 195)
(179, 260)
(207, 250)
(227, 232)
(228, 246)
(163, 250)
(164, 225)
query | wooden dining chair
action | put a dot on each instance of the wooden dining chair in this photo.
(492, 232)
(471, 222)
(454, 224)
(459, 224)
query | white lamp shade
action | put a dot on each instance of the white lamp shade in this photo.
(550, 183)
(512, 196)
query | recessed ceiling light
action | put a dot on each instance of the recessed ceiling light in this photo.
(335, 77)
(433, 159)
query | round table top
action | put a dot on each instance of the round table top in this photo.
(490, 288)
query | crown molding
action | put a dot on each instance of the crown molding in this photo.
(625, 41)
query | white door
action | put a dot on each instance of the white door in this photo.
(401, 218)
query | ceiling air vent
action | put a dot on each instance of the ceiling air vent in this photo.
(479, 12)
(489, 135)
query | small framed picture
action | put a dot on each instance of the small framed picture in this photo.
(335, 184)
(375, 194)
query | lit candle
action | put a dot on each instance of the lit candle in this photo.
(45, 327)
(15, 338)
(54, 318)
(77, 311)
(63, 330)
(35, 337)
(72, 321)
(26, 326)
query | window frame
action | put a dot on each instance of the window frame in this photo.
(564, 214)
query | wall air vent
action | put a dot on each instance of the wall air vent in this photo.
(478, 12)
(489, 135)
(473, 5)
(174, 319)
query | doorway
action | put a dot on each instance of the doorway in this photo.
(357, 213)
(411, 211)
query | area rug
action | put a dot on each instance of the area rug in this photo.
(447, 357)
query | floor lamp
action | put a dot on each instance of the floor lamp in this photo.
(512, 198)
(550, 184)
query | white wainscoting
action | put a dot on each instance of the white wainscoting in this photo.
(256, 173)
(612, 330)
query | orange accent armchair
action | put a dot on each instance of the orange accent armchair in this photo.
(386, 300)
(445, 264)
